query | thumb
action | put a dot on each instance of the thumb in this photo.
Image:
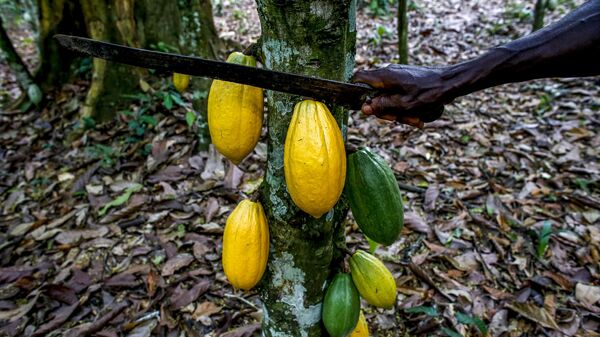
(370, 77)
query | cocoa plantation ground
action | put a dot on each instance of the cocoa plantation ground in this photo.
(119, 232)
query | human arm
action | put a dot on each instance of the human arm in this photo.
(414, 95)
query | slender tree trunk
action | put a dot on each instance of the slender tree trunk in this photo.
(538, 14)
(14, 60)
(314, 38)
(403, 31)
(199, 38)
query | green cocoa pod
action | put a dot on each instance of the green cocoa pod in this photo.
(374, 197)
(341, 306)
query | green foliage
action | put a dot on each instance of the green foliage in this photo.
(545, 103)
(372, 245)
(544, 239)
(378, 8)
(138, 122)
(517, 11)
(381, 33)
(84, 66)
(473, 321)
(450, 332)
(429, 311)
(190, 118)
(88, 123)
(583, 184)
(120, 200)
(106, 154)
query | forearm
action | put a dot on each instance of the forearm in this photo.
(568, 48)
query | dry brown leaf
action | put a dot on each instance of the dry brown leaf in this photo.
(177, 262)
(245, 331)
(534, 313)
(587, 294)
(206, 308)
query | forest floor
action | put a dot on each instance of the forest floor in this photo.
(119, 232)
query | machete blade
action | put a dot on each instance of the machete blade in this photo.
(347, 94)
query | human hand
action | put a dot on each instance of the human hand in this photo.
(408, 94)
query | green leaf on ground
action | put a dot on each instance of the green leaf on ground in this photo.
(120, 200)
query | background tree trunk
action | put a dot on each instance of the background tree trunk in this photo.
(14, 61)
(403, 31)
(199, 37)
(538, 14)
(314, 38)
(55, 62)
(186, 26)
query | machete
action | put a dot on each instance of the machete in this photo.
(346, 94)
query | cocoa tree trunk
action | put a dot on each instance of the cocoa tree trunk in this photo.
(403, 31)
(314, 38)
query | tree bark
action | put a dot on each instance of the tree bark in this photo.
(15, 63)
(403, 31)
(538, 14)
(199, 38)
(314, 38)
(139, 23)
(55, 62)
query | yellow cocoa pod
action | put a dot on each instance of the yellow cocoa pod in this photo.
(181, 82)
(235, 114)
(314, 159)
(245, 245)
(373, 280)
(362, 328)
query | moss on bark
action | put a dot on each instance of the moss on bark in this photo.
(314, 38)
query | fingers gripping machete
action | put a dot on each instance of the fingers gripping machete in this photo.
(346, 94)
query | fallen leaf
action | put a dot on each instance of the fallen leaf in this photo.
(205, 309)
(79, 281)
(431, 195)
(136, 203)
(120, 200)
(61, 293)
(174, 264)
(416, 223)
(186, 297)
(122, 280)
(58, 318)
(143, 330)
(15, 314)
(169, 173)
(586, 294)
(534, 313)
(21, 229)
(245, 331)
(72, 236)
(233, 178)
(11, 274)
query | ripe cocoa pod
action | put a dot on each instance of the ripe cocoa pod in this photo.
(181, 82)
(373, 280)
(235, 114)
(245, 245)
(314, 159)
(362, 328)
